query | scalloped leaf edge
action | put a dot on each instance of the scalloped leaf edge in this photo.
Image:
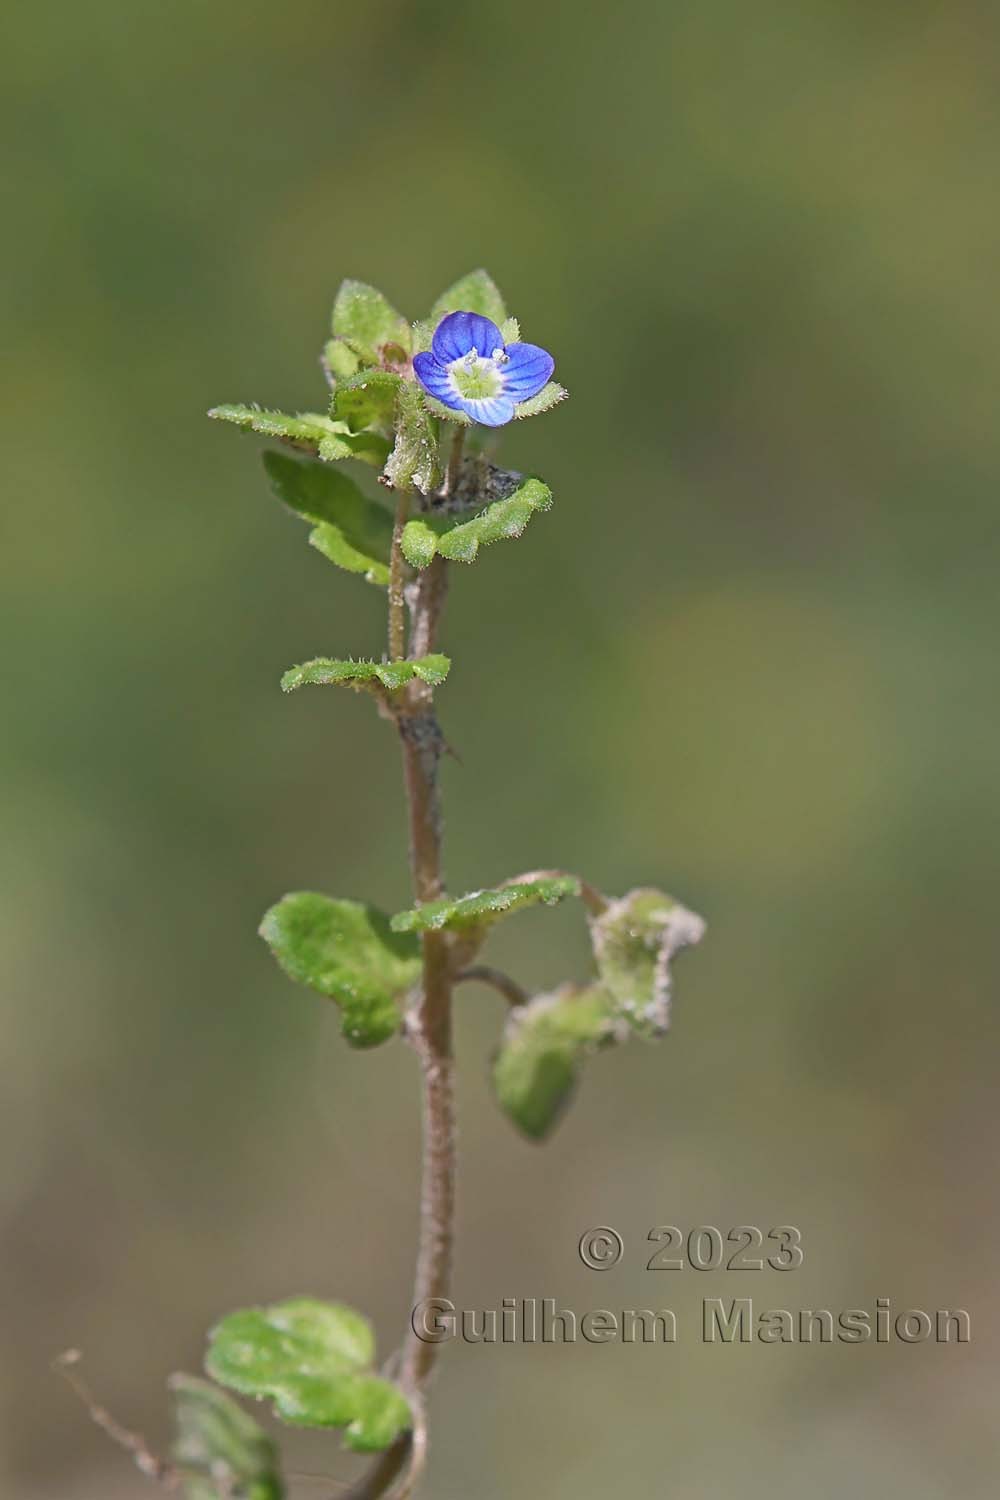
(328, 671)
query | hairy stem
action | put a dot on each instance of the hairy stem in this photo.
(397, 600)
(454, 461)
(430, 1022)
(497, 980)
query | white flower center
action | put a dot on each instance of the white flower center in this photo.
(476, 378)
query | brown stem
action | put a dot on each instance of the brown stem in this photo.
(498, 980)
(454, 461)
(133, 1443)
(429, 1027)
(397, 599)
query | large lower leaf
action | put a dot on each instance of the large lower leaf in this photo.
(480, 908)
(391, 675)
(460, 540)
(349, 529)
(219, 1448)
(313, 1360)
(347, 951)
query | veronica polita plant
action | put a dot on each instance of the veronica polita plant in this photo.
(419, 405)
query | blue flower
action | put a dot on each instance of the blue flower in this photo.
(471, 369)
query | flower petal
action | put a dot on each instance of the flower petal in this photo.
(462, 332)
(492, 411)
(528, 368)
(435, 379)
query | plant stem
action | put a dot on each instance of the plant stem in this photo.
(397, 600)
(498, 980)
(430, 1023)
(454, 461)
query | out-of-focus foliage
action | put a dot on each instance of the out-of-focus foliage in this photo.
(219, 1448)
(314, 1361)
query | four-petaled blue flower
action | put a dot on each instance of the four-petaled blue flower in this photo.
(471, 369)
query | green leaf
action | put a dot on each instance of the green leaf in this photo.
(339, 360)
(414, 461)
(476, 293)
(347, 951)
(510, 328)
(544, 1045)
(308, 427)
(546, 1041)
(483, 907)
(219, 1448)
(318, 434)
(446, 413)
(313, 1360)
(550, 395)
(634, 940)
(367, 400)
(368, 321)
(350, 530)
(459, 540)
(367, 674)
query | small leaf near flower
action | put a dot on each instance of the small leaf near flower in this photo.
(460, 540)
(368, 321)
(313, 1360)
(367, 401)
(477, 292)
(470, 368)
(328, 439)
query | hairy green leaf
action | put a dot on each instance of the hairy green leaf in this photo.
(313, 1360)
(413, 462)
(483, 907)
(368, 321)
(367, 400)
(331, 440)
(634, 940)
(339, 360)
(324, 670)
(446, 413)
(351, 530)
(511, 331)
(347, 951)
(550, 395)
(460, 540)
(219, 1448)
(543, 1047)
(546, 1041)
(476, 293)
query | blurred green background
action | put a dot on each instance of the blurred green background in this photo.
(750, 655)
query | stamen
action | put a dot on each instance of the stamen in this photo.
(500, 356)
